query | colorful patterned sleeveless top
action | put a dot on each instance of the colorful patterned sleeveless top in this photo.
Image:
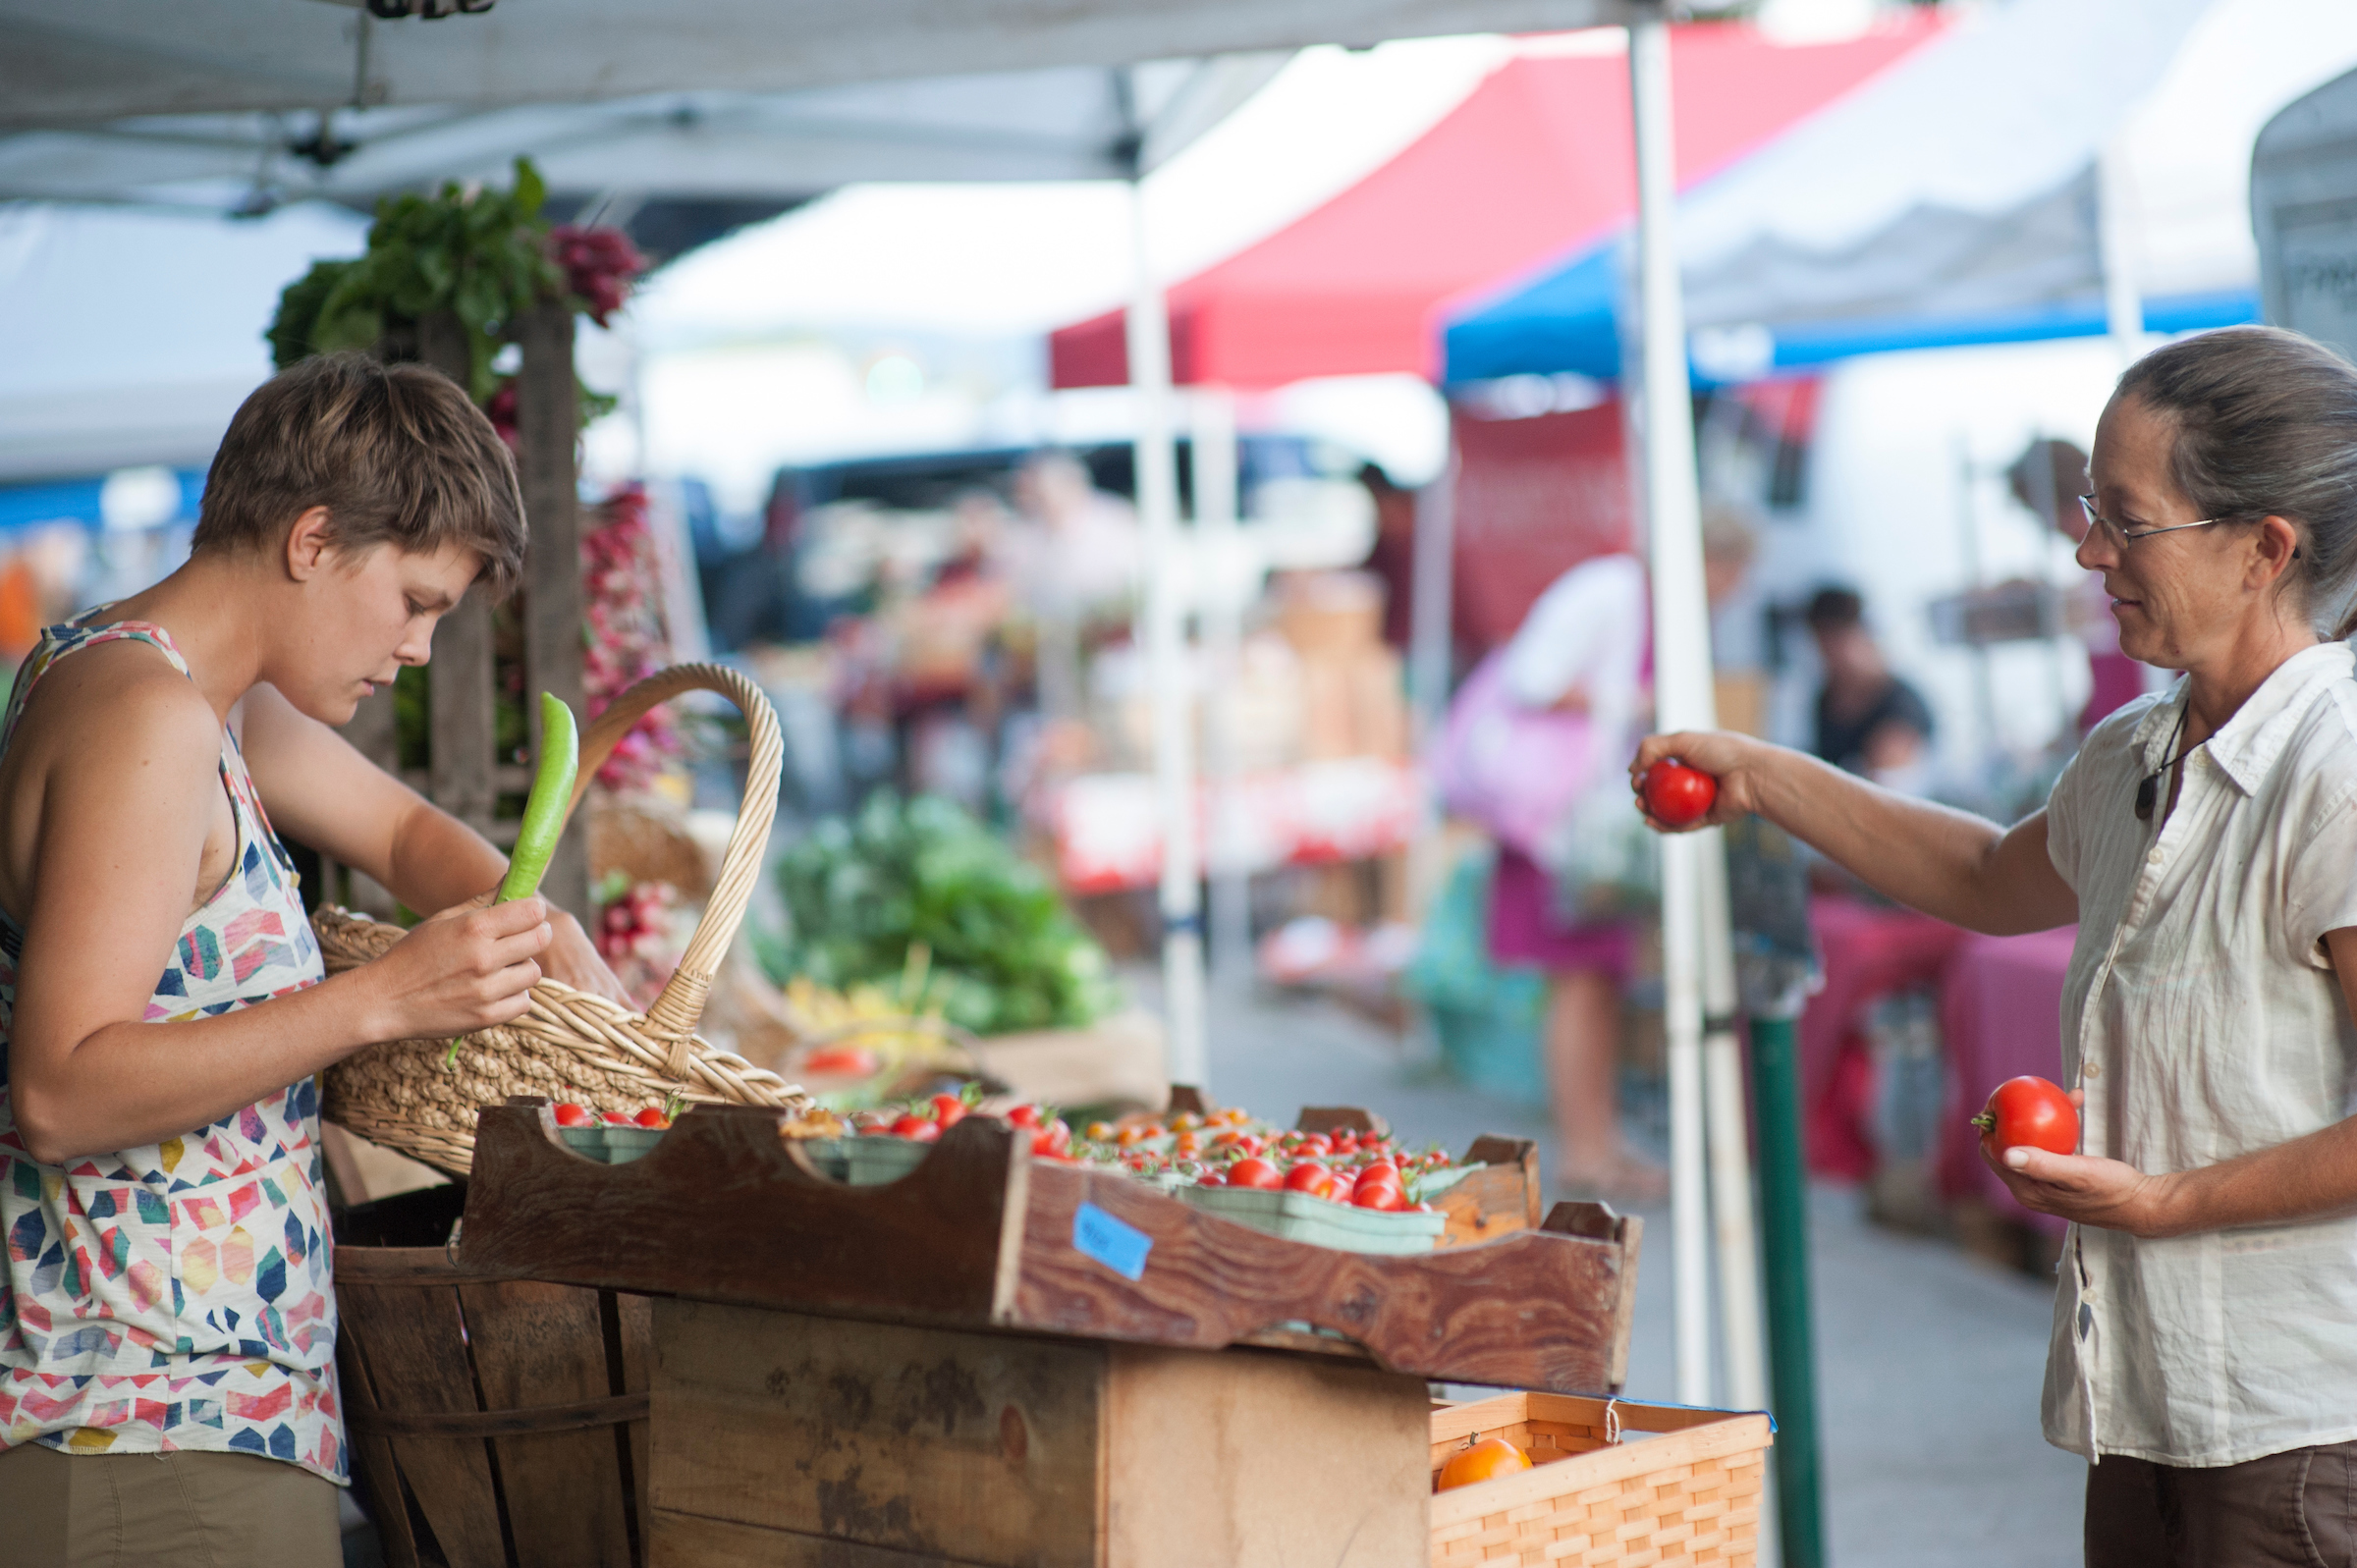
(178, 1296)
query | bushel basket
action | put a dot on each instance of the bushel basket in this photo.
(572, 1045)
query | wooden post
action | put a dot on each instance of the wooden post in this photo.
(548, 418)
(458, 676)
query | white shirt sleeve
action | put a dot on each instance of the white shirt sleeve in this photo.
(2319, 894)
(1586, 631)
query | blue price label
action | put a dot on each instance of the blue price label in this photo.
(1118, 1245)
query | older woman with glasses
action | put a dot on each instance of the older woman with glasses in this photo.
(2205, 840)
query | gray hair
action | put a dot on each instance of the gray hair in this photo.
(2266, 425)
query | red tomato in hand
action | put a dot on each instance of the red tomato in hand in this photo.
(917, 1127)
(572, 1115)
(2028, 1112)
(1677, 796)
(1254, 1172)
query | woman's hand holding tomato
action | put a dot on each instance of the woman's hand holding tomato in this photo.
(2083, 1188)
(1729, 760)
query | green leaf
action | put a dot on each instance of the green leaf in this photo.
(531, 191)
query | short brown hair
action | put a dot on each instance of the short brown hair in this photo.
(398, 454)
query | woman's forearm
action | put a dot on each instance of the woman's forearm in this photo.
(128, 1085)
(438, 863)
(1958, 867)
(2307, 1178)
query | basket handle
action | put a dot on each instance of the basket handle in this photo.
(673, 1017)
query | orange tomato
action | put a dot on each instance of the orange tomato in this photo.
(1481, 1459)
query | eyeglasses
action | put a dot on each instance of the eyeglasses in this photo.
(2096, 519)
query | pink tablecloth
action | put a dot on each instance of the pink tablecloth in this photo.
(2000, 1016)
(1870, 950)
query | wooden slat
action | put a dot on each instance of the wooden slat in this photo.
(580, 1415)
(1259, 1461)
(1497, 1200)
(539, 1346)
(688, 1540)
(373, 1469)
(630, 1362)
(548, 423)
(458, 677)
(412, 1338)
(924, 1440)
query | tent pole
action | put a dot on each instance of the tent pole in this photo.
(1149, 334)
(1730, 1138)
(1221, 598)
(1682, 663)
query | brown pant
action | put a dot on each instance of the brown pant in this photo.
(2296, 1509)
(176, 1510)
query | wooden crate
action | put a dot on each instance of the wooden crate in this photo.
(781, 1438)
(1594, 1498)
(982, 1236)
(493, 1424)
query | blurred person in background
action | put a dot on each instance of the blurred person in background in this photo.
(1074, 553)
(1394, 556)
(1869, 722)
(2047, 479)
(1531, 745)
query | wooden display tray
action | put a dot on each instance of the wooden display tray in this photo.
(982, 1236)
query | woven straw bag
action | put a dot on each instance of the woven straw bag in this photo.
(572, 1045)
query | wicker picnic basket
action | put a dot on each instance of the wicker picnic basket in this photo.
(573, 1046)
(1593, 1499)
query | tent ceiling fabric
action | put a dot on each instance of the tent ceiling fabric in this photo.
(1072, 123)
(104, 60)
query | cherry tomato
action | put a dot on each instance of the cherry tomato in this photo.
(1316, 1143)
(2028, 1112)
(1482, 1460)
(917, 1127)
(948, 1110)
(1022, 1115)
(1254, 1172)
(652, 1116)
(1099, 1131)
(1211, 1178)
(1383, 1195)
(571, 1115)
(1053, 1139)
(1186, 1122)
(840, 1061)
(1677, 796)
(1310, 1177)
(1381, 1170)
(615, 1118)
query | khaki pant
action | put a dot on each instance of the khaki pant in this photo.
(2287, 1510)
(176, 1510)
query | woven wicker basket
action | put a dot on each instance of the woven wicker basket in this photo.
(573, 1046)
(1691, 1495)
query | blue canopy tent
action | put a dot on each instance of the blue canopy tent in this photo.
(2047, 169)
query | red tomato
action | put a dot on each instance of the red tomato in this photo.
(1053, 1139)
(1254, 1172)
(917, 1127)
(572, 1115)
(615, 1118)
(1211, 1178)
(1381, 1170)
(2028, 1112)
(652, 1116)
(1310, 1177)
(1317, 1143)
(1378, 1194)
(1677, 796)
(949, 1110)
(1020, 1115)
(840, 1061)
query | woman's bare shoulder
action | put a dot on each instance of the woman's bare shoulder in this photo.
(116, 699)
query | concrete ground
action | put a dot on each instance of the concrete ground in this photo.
(1928, 1360)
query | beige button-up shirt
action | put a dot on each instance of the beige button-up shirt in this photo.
(2202, 1019)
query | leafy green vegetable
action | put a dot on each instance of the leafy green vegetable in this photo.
(1004, 953)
